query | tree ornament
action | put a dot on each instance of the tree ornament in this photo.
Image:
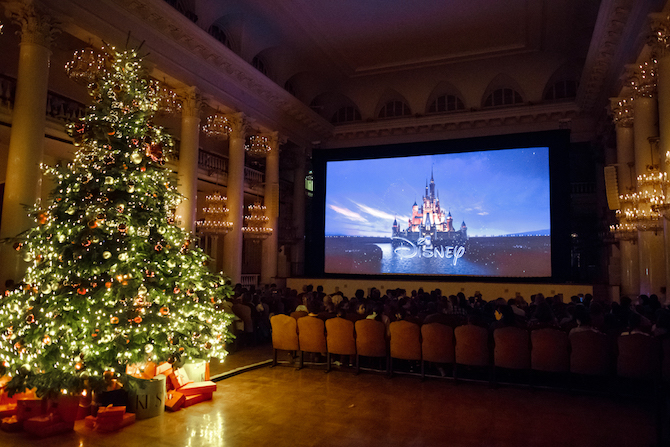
(82, 291)
(106, 255)
(158, 247)
(46, 340)
(136, 158)
(114, 320)
(93, 223)
(122, 228)
(108, 284)
(137, 319)
(25, 369)
(164, 310)
(148, 348)
(30, 319)
(109, 180)
(142, 290)
(155, 152)
(17, 246)
(42, 218)
(171, 263)
(123, 257)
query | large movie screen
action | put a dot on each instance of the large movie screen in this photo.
(483, 213)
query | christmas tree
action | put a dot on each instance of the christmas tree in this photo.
(111, 280)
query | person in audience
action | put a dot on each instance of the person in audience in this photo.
(543, 316)
(634, 325)
(583, 320)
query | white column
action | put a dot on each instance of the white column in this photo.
(188, 158)
(659, 39)
(650, 242)
(630, 258)
(269, 259)
(232, 245)
(298, 251)
(26, 141)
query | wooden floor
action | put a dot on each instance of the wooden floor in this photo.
(284, 407)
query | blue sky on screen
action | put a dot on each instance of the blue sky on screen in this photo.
(495, 192)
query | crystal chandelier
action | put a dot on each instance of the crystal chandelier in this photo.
(85, 66)
(218, 126)
(255, 223)
(216, 214)
(166, 99)
(258, 146)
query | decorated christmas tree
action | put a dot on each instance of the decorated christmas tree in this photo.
(111, 281)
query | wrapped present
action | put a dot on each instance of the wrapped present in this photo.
(179, 378)
(111, 414)
(109, 425)
(42, 422)
(11, 424)
(196, 398)
(29, 408)
(90, 421)
(142, 370)
(197, 370)
(7, 410)
(164, 368)
(175, 400)
(198, 388)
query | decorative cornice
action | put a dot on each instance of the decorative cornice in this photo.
(169, 22)
(600, 59)
(37, 26)
(238, 124)
(561, 114)
(659, 35)
(622, 111)
(642, 78)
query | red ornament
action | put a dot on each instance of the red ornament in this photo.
(30, 319)
(108, 284)
(82, 291)
(137, 319)
(164, 310)
(155, 152)
(42, 218)
(93, 223)
(114, 320)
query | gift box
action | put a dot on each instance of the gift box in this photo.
(164, 368)
(111, 414)
(39, 423)
(109, 425)
(10, 424)
(179, 378)
(198, 388)
(142, 371)
(90, 421)
(197, 370)
(175, 400)
(196, 398)
(29, 408)
(7, 410)
(146, 398)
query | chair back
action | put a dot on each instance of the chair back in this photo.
(639, 357)
(550, 350)
(243, 312)
(312, 334)
(370, 338)
(284, 333)
(405, 340)
(437, 343)
(340, 336)
(472, 345)
(590, 353)
(299, 314)
(512, 348)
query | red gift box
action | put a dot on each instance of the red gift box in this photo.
(111, 425)
(111, 414)
(164, 368)
(178, 379)
(90, 421)
(175, 400)
(198, 388)
(197, 398)
(7, 410)
(29, 408)
(39, 423)
(10, 424)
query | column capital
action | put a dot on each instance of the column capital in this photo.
(622, 111)
(642, 78)
(659, 36)
(191, 102)
(37, 26)
(238, 123)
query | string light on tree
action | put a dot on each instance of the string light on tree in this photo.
(111, 280)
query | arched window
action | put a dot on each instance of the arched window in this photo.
(563, 89)
(219, 34)
(394, 109)
(503, 97)
(346, 114)
(446, 103)
(259, 65)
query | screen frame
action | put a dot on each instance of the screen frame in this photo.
(558, 142)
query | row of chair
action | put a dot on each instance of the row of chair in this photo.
(635, 356)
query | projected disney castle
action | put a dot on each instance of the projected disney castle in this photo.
(430, 220)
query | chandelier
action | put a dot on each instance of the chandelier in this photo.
(85, 66)
(166, 99)
(255, 222)
(258, 146)
(218, 126)
(216, 214)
